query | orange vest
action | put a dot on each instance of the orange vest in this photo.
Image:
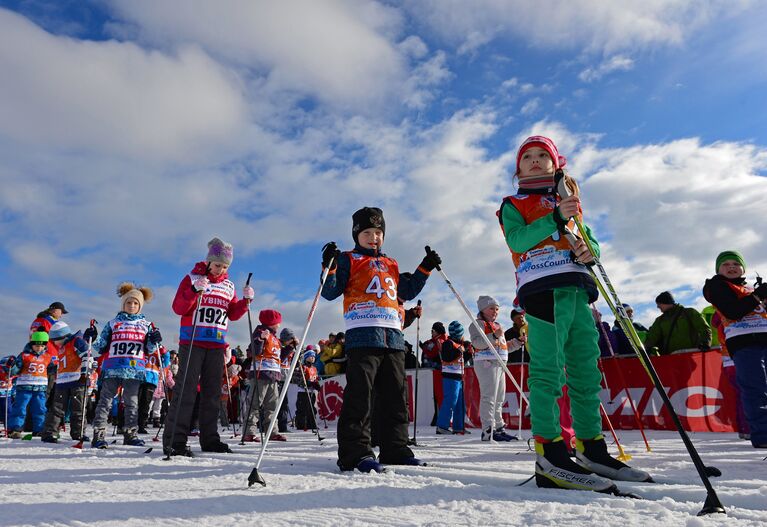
(69, 364)
(370, 297)
(551, 255)
(34, 370)
(754, 322)
(269, 360)
(456, 365)
(502, 348)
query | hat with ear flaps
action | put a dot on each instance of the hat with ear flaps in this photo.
(128, 290)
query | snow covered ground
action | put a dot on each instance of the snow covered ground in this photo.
(467, 483)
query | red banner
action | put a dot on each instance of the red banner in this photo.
(694, 382)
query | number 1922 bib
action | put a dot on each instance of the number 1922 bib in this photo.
(213, 315)
(370, 297)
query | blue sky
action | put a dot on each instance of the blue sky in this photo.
(133, 131)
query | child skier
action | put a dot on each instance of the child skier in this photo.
(370, 283)
(489, 372)
(31, 366)
(209, 283)
(155, 363)
(126, 341)
(306, 400)
(452, 407)
(266, 374)
(555, 289)
(71, 384)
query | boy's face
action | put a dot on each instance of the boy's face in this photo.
(731, 269)
(309, 359)
(535, 162)
(371, 238)
(39, 348)
(491, 313)
(218, 268)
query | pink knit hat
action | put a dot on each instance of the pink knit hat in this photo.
(545, 143)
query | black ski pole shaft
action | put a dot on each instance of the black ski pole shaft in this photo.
(229, 399)
(417, 369)
(482, 333)
(254, 476)
(256, 371)
(712, 504)
(178, 399)
(85, 388)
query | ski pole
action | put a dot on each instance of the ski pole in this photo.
(622, 455)
(229, 398)
(256, 372)
(625, 389)
(254, 476)
(521, 383)
(178, 399)
(712, 503)
(482, 332)
(79, 444)
(417, 369)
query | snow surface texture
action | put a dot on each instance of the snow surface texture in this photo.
(467, 483)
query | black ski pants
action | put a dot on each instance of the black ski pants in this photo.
(145, 394)
(305, 404)
(62, 399)
(382, 370)
(206, 367)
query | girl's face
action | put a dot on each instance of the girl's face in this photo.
(371, 238)
(731, 269)
(132, 306)
(535, 162)
(57, 313)
(491, 313)
(218, 268)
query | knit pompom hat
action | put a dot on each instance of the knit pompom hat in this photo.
(545, 143)
(59, 330)
(128, 290)
(219, 251)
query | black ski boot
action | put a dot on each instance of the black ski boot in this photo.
(592, 455)
(220, 448)
(555, 469)
(180, 449)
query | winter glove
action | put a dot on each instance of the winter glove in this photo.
(761, 292)
(330, 254)
(431, 261)
(248, 293)
(81, 347)
(91, 333)
(201, 284)
(153, 337)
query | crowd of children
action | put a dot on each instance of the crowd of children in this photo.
(552, 330)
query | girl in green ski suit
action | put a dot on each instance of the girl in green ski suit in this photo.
(555, 288)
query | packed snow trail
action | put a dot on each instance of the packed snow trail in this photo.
(467, 483)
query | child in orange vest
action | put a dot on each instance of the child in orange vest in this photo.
(31, 366)
(370, 283)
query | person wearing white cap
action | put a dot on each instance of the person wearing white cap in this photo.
(492, 383)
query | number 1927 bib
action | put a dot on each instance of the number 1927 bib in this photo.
(126, 347)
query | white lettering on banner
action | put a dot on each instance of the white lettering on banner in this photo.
(621, 401)
(680, 401)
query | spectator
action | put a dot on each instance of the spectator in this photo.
(516, 337)
(333, 355)
(411, 361)
(606, 342)
(677, 328)
(431, 349)
(744, 324)
(621, 344)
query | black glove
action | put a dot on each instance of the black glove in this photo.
(154, 337)
(761, 291)
(10, 361)
(90, 334)
(431, 261)
(330, 252)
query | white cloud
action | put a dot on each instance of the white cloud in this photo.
(615, 63)
(572, 24)
(340, 52)
(531, 107)
(112, 97)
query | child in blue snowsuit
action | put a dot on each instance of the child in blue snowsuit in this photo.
(31, 366)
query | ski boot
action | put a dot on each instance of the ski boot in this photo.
(250, 438)
(500, 435)
(220, 448)
(555, 469)
(131, 439)
(99, 439)
(369, 464)
(592, 455)
(461, 432)
(277, 437)
(487, 434)
(179, 449)
(49, 439)
(443, 431)
(16, 434)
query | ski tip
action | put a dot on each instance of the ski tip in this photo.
(715, 509)
(148, 450)
(254, 478)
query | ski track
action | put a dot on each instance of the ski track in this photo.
(466, 483)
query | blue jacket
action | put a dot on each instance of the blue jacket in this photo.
(409, 287)
(101, 346)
